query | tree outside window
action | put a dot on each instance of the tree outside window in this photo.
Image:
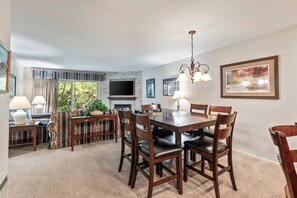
(75, 95)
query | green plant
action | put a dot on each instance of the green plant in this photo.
(96, 105)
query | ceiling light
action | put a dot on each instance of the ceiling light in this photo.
(197, 71)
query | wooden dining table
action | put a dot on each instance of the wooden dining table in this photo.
(180, 121)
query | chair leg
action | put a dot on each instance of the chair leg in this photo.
(151, 181)
(192, 156)
(160, 170)
(202, 164)
(122, 157)
(179, 174)
(215, 178)
(135, 170)
(131, 174)
(231, 172)
(131, 168)
(185, 164)
(210, 165)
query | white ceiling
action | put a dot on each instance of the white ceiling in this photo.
(132, 35)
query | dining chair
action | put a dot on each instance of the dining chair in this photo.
(198, 109)
(212, 149)
(170, 137)
(215, 110)
(127, 139)
(154, 152)
(149, 108)
(286, 156)
(159, 109)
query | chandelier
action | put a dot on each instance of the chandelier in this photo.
(197, 71)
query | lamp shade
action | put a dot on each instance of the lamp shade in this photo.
(182, 77)
(38, 100)
(177, 95)
(19, 102)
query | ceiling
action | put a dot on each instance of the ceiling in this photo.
(133, 35)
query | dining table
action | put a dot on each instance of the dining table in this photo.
(180, 121)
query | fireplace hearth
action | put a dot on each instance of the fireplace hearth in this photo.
(122, 106)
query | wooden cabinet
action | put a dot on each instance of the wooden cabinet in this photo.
(95, 131)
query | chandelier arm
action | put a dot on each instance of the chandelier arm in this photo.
(205, 65)
(183, 67)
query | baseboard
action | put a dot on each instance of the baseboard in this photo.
(268, 160)
(3, 183)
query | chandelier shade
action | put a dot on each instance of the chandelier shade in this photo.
(197, 71)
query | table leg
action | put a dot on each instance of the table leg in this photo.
(34, 138)
(72, 135)
(178, 139)
(115, 121)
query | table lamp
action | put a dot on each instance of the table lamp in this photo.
(177, 95)
(38, 101)
(19, 103)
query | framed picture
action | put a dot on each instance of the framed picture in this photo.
(256, 79)
(12, 86)
(169, 86)
(150, 88)
(4, 68)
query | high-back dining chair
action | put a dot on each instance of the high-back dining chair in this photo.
(159, 108)
(127, 138)
(154, 152)
(170, 137)
(149, 108)
(286, 157)
(215, 110)
(199, 108)
(211, 150)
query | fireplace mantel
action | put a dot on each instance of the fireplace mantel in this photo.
(122, 98)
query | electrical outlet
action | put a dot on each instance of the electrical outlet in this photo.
(207, 88)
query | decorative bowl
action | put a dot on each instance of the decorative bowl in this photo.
(96, 112)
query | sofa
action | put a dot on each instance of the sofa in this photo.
(59, 129)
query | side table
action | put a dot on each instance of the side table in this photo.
(23, 127)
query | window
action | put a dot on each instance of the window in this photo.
(74, 95)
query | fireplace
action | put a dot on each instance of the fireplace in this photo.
(122, 106)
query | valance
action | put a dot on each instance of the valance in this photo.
(66, 75)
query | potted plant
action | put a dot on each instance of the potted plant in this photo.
(97, 107)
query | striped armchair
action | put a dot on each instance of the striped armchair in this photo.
(60, 129)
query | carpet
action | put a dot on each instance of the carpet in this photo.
(91, 171)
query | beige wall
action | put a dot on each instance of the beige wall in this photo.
(5, 39)
(254, 116)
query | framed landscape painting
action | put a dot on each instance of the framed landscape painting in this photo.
(150, 88)
(169, 86)
(4, 68)
(256, 79)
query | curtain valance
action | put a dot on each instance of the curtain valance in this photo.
(66, 75)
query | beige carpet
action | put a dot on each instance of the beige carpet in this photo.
(91, 171)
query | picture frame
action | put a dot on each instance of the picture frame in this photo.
(252, 79)
(12, 86)
(5, 57)
(150, 88)
(169, 86)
